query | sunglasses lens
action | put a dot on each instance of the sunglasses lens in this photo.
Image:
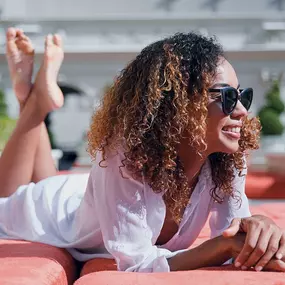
(230, 101)
(246, 98)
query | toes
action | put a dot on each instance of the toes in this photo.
(23, 37)
(48, 41)
(57, 40)
(19, 32)
(11, 47)
(23, 41)
(25, 46)
(11, 34)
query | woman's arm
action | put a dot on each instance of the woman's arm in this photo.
(213, 252)
(216, 252)
(237, 243)
(264, 239)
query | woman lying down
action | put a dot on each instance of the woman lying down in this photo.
(168, 143)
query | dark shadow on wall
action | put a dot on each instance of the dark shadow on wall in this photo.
(68, 157)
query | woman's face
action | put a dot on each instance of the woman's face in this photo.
(223, 131)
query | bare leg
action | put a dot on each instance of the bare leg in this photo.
(44, 165)
(18, 157)
(20, 57)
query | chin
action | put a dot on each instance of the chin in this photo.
(228, 146)
(230, 149)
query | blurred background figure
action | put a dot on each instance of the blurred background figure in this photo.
(102, 36)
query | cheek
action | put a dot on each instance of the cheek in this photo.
(216, 117)
(215, 109)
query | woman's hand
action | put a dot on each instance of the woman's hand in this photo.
(236, 245)
(264, 240)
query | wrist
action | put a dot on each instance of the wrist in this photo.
(225, 245)
(213, 252)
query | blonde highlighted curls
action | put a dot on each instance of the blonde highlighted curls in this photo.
(156, 99)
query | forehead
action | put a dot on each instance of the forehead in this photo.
(226, 74)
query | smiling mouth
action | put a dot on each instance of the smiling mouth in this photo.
(231, 132)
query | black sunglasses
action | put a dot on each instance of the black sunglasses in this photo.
(230, 96)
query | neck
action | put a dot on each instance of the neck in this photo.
(192, 161)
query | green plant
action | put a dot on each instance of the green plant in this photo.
(3, 105)
(269, 114)
(7, 124)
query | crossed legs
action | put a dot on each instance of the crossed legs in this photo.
(27, 154)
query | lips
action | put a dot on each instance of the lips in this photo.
(232, 132)
(232, 129)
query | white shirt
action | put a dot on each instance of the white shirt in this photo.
(109, 216)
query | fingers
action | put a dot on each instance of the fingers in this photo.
(233, 228)
(275, 265)
(266, 247)
(251, 240)
(281, 251)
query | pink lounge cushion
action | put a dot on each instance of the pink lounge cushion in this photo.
(201, 277)
(27, 263)
(265, 185)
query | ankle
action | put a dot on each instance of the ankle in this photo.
(22, 106)
(38, 112)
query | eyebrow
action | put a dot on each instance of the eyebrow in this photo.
(223, 85)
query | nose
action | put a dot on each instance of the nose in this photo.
(239, 111)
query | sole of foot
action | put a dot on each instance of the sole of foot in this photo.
(20, 57)
(48, 94)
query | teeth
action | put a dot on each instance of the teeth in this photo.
(233, 130)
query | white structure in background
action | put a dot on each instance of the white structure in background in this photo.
(102, 36)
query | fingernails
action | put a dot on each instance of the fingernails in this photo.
(237, 264)
(278, 255)
(258, 268)
(243, 268)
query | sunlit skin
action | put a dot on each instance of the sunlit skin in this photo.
(219, 138)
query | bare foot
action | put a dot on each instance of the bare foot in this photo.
(20, 58)
(49, 95)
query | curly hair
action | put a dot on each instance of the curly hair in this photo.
(158, 96)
